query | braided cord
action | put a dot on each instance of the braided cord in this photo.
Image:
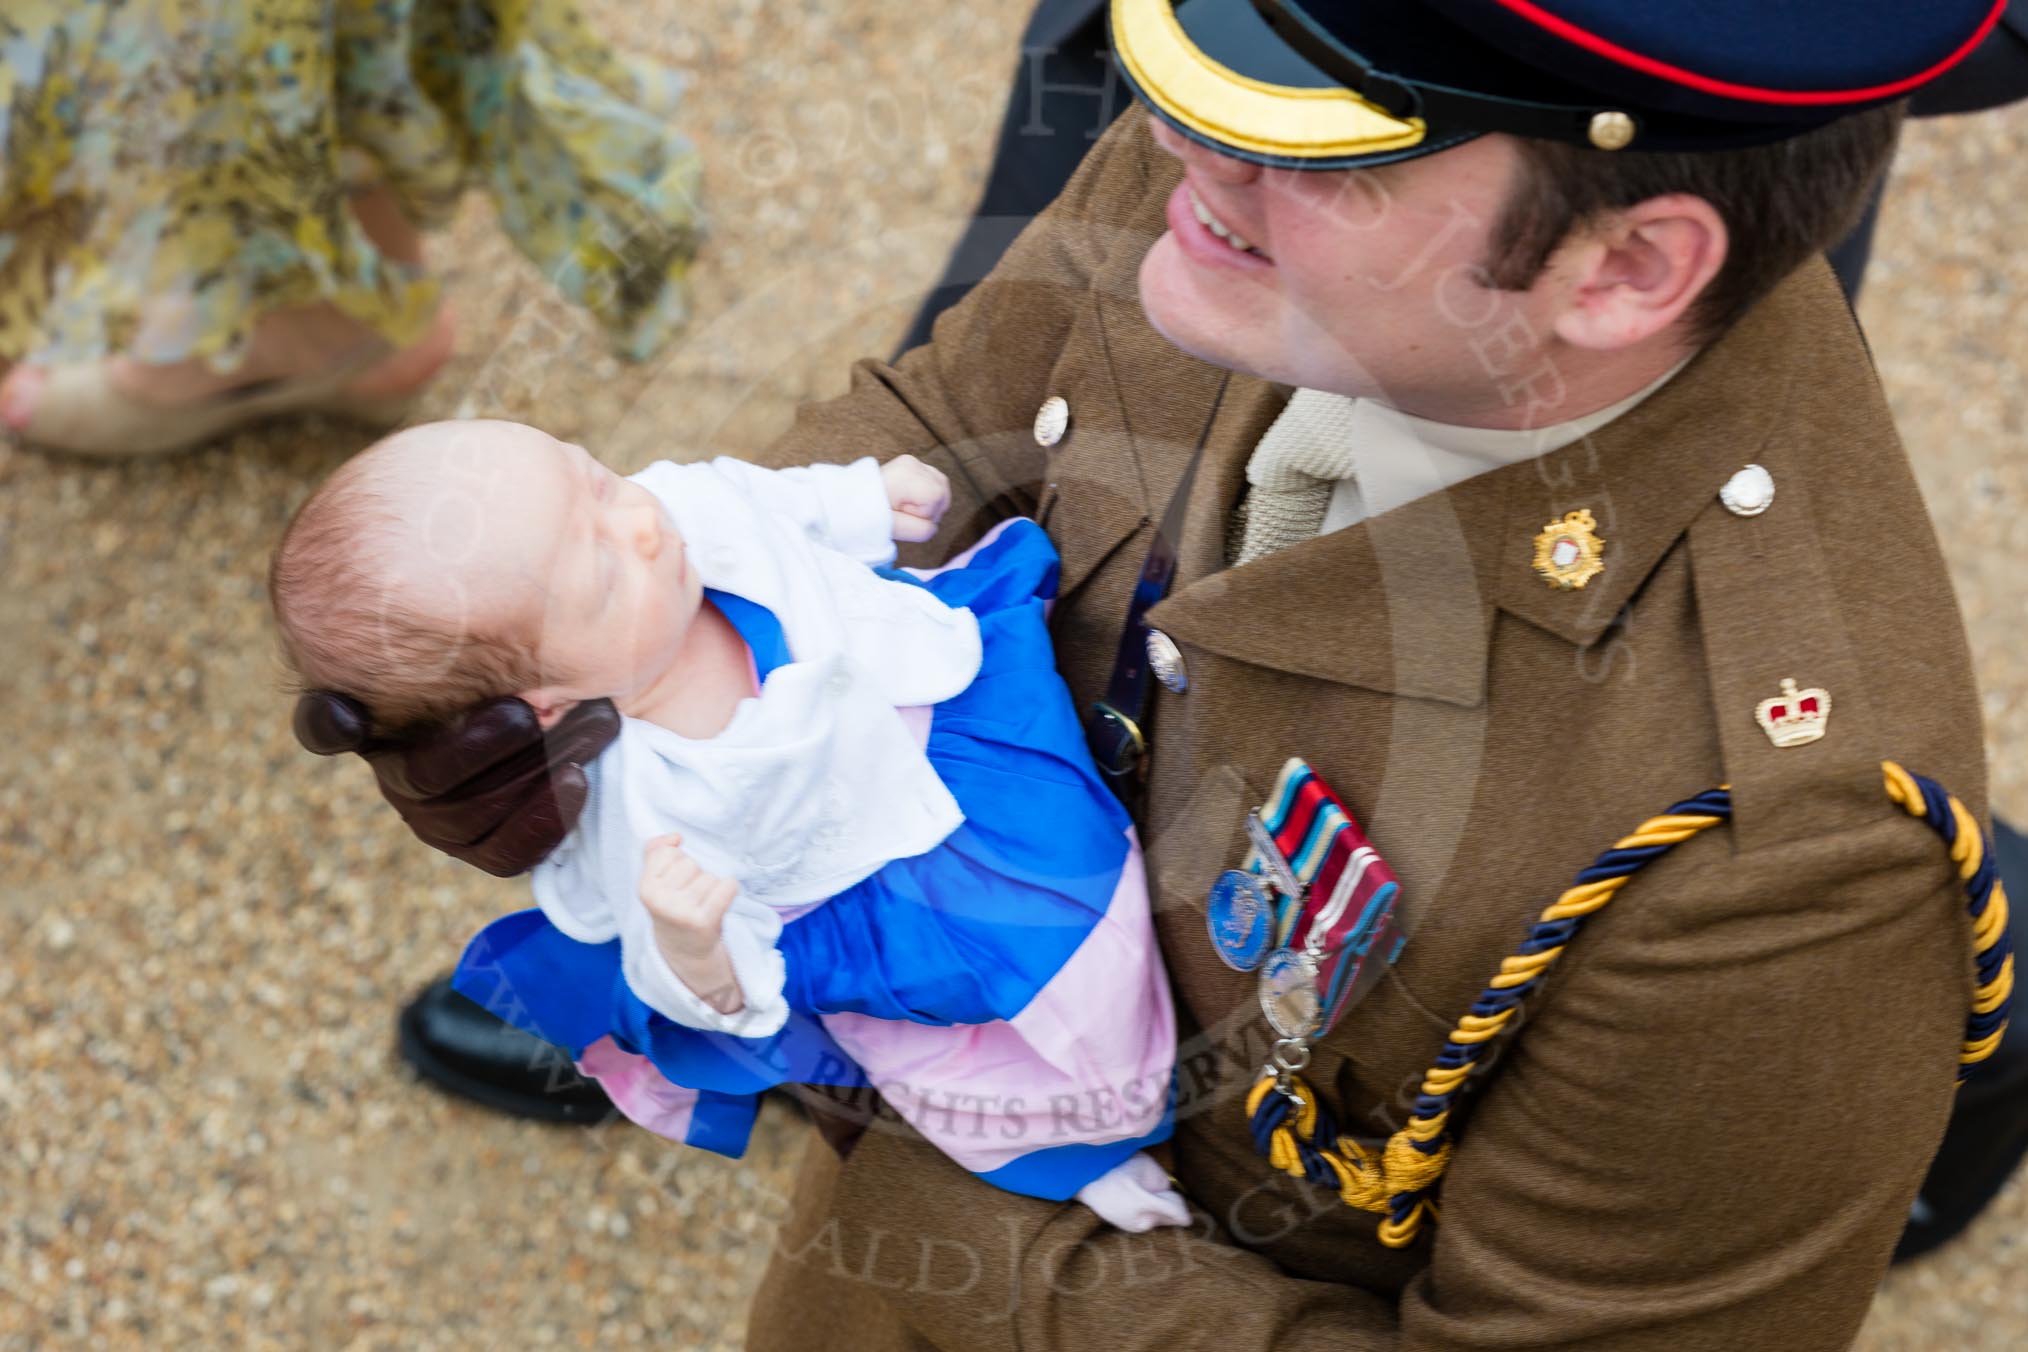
(1985, 899)
(1297, 1133)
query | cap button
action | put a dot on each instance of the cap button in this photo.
(1612, 130)
(1749, 492)
(1052, 420)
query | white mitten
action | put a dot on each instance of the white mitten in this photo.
(1135, 1195)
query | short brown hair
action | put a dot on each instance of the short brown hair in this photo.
(1781, 203)
(350, 624)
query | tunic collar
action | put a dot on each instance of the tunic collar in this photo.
(1398, 457)
(1402, 602)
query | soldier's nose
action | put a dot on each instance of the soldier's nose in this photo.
(1202, 159)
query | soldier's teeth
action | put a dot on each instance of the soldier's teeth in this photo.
(1216, 226)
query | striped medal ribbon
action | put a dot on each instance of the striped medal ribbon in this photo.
(1312, 907)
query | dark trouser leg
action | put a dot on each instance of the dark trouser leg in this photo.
(1850, 254)
(1066, 93)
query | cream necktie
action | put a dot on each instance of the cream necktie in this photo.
(1292, 474)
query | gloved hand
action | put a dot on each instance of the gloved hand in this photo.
(491, 789)
(840, 1115)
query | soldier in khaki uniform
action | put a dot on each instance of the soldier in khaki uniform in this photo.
(1516, 552)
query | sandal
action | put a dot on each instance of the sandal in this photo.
(80, 410)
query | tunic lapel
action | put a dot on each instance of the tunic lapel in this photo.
(1400, 603)
(1125, 455)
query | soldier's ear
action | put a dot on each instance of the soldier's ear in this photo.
(1636, 272)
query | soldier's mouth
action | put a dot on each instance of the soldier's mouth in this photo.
(1219, 229)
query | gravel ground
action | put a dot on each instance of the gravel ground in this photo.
(207, 1140)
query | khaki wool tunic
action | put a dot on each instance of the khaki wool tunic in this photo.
(1706, 1128)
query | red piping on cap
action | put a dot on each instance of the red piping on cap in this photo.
(1612, 51)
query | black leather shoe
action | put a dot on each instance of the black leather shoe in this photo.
(462, 1049)
(1988, 1132)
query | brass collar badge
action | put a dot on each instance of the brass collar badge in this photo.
(1569, 552)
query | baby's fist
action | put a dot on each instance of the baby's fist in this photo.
(688, 905)
(918, 494)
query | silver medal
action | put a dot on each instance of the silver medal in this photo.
(1288, 992)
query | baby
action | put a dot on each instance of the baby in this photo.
(849, 833)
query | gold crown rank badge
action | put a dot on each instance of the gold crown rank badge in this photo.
(1794, 716)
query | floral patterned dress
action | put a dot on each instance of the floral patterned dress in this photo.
(172, 169)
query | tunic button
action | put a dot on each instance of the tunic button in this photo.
(1165, 659)
(723, 560)
(1052, 420)
(839, 681)
(1749, 492)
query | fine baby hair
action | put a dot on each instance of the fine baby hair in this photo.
(387, 586)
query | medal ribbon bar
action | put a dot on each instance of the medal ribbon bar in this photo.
(1344, 913)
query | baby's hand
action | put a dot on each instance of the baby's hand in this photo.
(688, 904)
(919, 496)
(1136, 1195)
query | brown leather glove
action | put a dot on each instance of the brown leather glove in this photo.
(492, 789)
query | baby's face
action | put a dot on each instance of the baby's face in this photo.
(571, 554)
(621, 594)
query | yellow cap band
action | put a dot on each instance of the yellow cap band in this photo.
(1219, 103)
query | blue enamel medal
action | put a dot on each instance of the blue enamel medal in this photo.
(1240, 916)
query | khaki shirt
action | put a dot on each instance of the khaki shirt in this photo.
(1708, 1125)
